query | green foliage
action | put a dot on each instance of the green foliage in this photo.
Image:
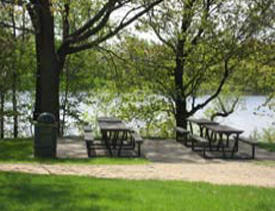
(268, 146)
(266, 138)
(257, 72)
(112, 70)
(269, 135)
(149, 112)
(41, 192)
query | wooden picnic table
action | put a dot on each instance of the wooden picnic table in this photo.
(108, 119)
(221, 130)
(201, 122)
(112, 130)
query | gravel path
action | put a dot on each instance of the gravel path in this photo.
(228, 173)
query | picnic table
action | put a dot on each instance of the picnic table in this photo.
(113, 130)
(201, 122)
(212, 131)
(109, 119)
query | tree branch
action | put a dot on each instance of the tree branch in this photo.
(219, 89)
(157, 33)
(224, 112)
(121, 26)
(14, 2)
(91, 22)
(7, 25)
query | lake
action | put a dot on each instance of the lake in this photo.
(247, 116)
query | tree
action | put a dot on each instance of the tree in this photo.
(60, 30)
(202, 44)
(5, 76)
(15, 60)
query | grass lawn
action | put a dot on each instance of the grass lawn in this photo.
(268, 146)
(40, 192)
(21, 151)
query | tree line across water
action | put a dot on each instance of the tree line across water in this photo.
(61, 52)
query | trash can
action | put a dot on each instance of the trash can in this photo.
(45, 136)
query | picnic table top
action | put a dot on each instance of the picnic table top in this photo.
(109, 119)
(224, 129)
(202, 121)
(111, 124)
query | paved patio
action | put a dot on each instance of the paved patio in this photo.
(161, 151)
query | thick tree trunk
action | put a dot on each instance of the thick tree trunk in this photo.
(180, 101)
(181, 114)
(37, 107)
(47, 81)
(2, 103)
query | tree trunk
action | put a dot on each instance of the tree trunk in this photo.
(14, 81)
(47, 81)
(14, 105)
(65, 101)
(180, 100)
(2, 103)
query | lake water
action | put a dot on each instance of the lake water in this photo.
(250, 116)
(247, 116)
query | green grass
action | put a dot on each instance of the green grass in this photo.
(40, 192)
(21, 151)
(268, 146)
(265, 163)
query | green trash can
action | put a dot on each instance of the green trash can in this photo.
(45, 136)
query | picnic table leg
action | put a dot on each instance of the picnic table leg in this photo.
(211, 140)
(191, 127)
(227, 140)
(114, 139)
(88, 149)
(119, 149)
(220, 143)
(106, 141)
(253, 151)
(236, 146)
(139, 149)
(201, 131)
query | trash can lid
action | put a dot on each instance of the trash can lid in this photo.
(47, 118)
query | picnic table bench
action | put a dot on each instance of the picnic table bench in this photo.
(253, 143)
(137, 139)
(212, 131)
(91, 143)
(200, 142)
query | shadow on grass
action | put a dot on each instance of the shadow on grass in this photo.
(21, 150)
(40, 192)
(16, 150)
(24, 193)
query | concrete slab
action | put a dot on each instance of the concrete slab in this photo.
(155, 150)
(169, 151)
